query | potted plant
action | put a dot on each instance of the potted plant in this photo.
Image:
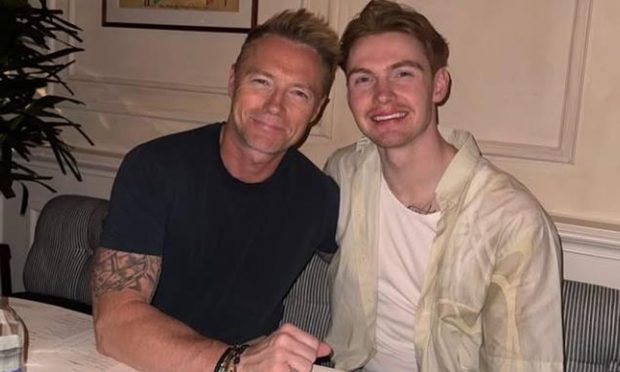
(28, 116)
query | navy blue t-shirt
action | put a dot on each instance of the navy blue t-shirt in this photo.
(230, 250)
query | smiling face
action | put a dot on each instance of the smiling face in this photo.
(392, 92)
(276, 92)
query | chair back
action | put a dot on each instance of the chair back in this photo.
(307, 304)
(591, 327)
(66, 235)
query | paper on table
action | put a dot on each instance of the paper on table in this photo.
(317, 368)
(61, 340)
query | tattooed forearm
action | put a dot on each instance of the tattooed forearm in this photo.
(116, 270)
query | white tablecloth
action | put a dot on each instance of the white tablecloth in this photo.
(62, 340)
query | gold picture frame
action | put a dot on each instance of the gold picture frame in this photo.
(186, 15)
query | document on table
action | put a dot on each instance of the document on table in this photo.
(325, 369)
(61, 340)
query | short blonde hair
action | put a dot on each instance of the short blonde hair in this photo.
(304, 27)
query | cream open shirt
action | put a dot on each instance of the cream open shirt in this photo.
(491, 296)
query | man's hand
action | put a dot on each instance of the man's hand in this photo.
(288, 349)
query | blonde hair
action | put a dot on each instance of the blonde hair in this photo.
(304, 27)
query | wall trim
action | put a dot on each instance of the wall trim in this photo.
(143, 99)
(90, 162)
(591, 253)
(599, 242)
(217, 90)
(564, 151)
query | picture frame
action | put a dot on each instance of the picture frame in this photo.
(241, 21)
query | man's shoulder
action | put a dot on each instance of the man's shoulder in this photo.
(306, 170)
(179, 140)
(354, 152)
(350, 158)
(505, 211)
(496, 188)
(175, 145)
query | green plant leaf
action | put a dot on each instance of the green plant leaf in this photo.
(28, 121)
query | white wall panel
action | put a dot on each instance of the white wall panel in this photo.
(536, 81)
(517, 69)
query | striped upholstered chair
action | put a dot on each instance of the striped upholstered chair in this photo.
(58, 265)
(307, 303)
(591, 327)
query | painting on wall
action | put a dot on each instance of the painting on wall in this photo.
(189, 15)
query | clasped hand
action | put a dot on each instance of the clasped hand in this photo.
(287, 349)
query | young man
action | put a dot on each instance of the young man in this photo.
(446, 263)
(209, 228)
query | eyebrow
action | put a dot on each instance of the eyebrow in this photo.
(404, 63)
(298, 85)
(408, 63)
(358, 70)
(256, 71)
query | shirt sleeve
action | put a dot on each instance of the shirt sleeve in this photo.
(136, 218)
(522, 318)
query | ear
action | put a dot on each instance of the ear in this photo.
(441, 85)
(231, 81)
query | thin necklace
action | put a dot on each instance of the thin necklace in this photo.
(428, 208)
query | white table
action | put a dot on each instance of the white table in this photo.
(63, 340)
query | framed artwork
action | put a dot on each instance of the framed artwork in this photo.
(188, 15)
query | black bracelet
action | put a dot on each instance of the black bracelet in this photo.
(237, 350)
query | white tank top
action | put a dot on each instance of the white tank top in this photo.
(405, 239)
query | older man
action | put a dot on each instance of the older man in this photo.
(208, 229)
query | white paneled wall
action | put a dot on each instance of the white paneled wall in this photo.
(536, 82)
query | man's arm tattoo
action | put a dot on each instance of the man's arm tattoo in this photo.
(115, 271)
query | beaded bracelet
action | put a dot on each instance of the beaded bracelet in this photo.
(230, 358)
(235, 356)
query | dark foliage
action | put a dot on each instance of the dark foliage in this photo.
(27, 119)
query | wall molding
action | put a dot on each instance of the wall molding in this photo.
(591, 252)
(147, 99)
(93, 162)
(156, 85)
(597, 242)
(564, 151)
